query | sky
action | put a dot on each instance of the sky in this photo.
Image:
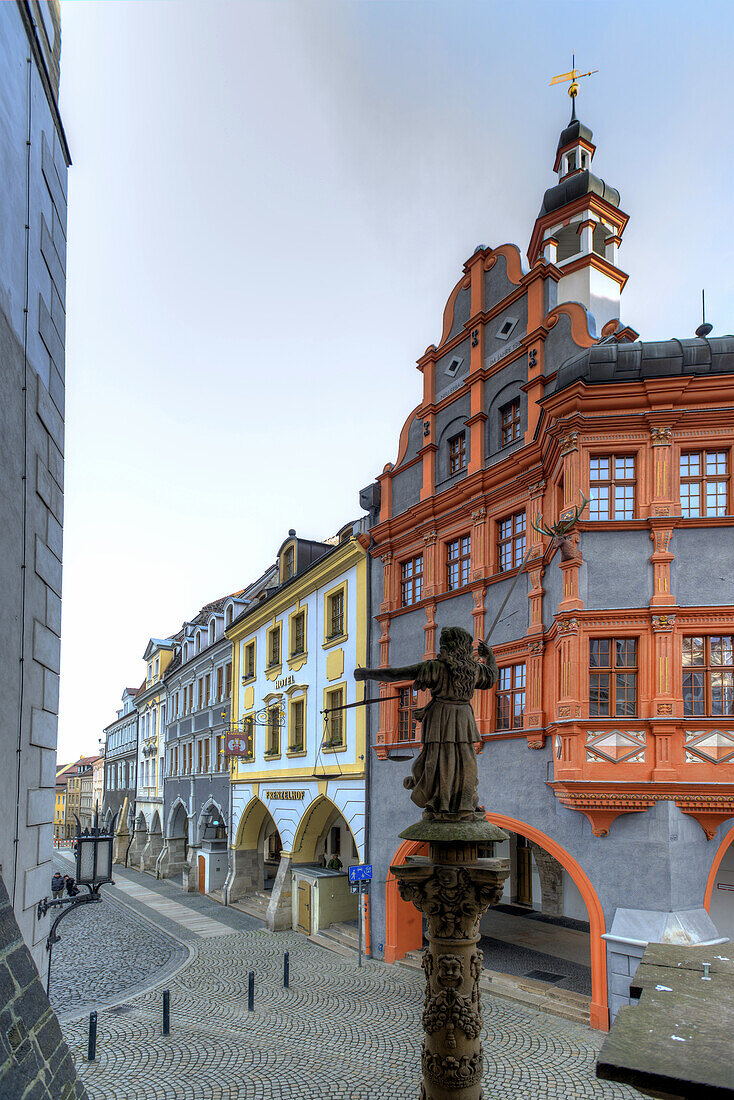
(269, 204)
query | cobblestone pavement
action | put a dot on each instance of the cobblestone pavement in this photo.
(338, 1032)
(106, 950)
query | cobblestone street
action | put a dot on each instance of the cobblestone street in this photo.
(337, 1032)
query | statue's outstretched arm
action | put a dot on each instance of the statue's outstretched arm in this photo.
(388, 675)
(490, 673)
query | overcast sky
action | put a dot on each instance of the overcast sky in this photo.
(269, 204)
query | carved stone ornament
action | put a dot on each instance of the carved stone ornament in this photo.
(536, 649)
(430, 537)
(568, 626)
(661, 437)
(479, 515)
(456, 1072)
(452, 898)
(538, 489)
(663, 622)
(569, 443)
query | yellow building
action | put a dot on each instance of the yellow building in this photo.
(298, 783)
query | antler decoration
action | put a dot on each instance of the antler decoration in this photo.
(560, 531)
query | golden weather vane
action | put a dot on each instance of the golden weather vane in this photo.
(574, 76)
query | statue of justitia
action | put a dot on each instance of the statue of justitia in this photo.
(444, 776)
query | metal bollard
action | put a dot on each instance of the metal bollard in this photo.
(92, 1044)
(251, 991)
(166, 1011)
(286, 970)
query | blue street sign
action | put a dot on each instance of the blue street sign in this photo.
(361, 873)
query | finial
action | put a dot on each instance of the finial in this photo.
(704, 328)
(574, 76)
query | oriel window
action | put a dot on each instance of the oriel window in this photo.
(612, 677)
(510, 697)
(511, 542)
(458, 562)
(704, 483)
(510, 422)
(708, 675)
(411, 580)
(612, 487)
(457, 453)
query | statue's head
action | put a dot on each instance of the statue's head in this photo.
(456, 641)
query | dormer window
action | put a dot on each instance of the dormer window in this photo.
(198, 642)
(228, 615)
(289, 563)
(212, 631)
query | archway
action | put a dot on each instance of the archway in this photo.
(403, 932)
(211, 857)
(323, 834)
(173, 857)
(718, 898)
(255, 857)
(139, 840)
(154, 847)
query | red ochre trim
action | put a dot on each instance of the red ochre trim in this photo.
(579, 323)
(512, 256)
(721, 852)
(404, 934)
(448, 314)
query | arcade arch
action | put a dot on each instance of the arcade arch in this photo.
(322, 835)
(404, 929)
(255, 856)
(719, 895)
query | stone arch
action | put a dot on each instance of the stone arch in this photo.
(155, 824)
(154, 847)
(108, 820)
(311, 828)
(247, 870)
(252, 819)
(723, 862)
(178, 820)
(403, 933)
(210, 804)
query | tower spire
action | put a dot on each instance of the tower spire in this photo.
(574, 76)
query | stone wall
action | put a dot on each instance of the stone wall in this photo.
(35, 1063)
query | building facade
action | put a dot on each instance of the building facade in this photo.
(35, 158)
(196, 785)
(298, 776)
(120, 764)
(607, 746)
(78, 802)
(146, 841)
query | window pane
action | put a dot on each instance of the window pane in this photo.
(599, 649)
(626, 693)
(624, 468)
(721, 693)
(692, 651)
(624, 501)
(690, 464)
(598, 694)
(690, 499)
(716, 462)
(599, 469)
(693, 694)
(626, 652)
(715, 498)
(599, 502)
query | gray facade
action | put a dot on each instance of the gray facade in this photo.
(35, 158)
(120, 766)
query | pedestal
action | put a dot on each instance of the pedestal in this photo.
(453, 887)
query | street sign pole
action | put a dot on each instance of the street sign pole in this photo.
(361, 907)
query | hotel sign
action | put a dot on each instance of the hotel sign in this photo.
(292, 796)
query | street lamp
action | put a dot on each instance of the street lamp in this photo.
(93, 869)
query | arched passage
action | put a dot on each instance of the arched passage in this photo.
(255, 855)
(403, 932)
(323, 834)
(718, 897)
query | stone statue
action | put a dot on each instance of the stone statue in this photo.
(444, 776)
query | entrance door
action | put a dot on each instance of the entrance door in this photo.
(304, 907)
(202, 875)
(524, 872)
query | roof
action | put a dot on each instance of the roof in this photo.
(575, 131)
(573, 187)
(630, 362)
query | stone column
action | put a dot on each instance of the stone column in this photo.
(453, 888)
(121, 841)
(246, 873)
(280, 912)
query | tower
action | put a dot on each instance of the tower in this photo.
(579, 228)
